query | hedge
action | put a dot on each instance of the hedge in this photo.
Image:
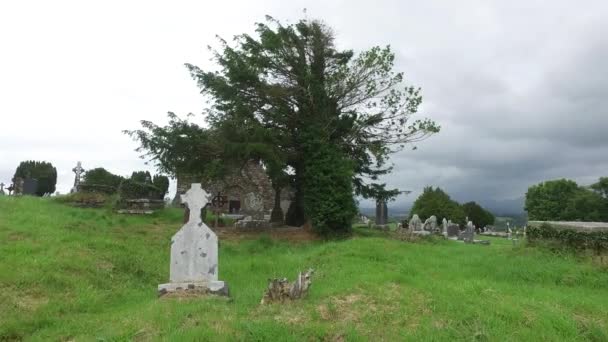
(97, 188)
(130, 189)
(595, 240)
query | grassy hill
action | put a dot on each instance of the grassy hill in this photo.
(84, 274)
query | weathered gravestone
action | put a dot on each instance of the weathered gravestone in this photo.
(415, 224)
(444, 227)
(453, 229)
(17, 186)
(430, 224)
(194, 252)
(30, 186)
(381, 213)
(2, 189)
(469, 233)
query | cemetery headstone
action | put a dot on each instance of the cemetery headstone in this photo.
(453, 230)
(444, 227)
(430, 224)
(78, 171)
(415, 224)
(2, 189)
(469, 233)
(194, 251)
(381, 213)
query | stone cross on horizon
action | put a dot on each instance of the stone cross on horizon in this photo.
(78, 170)
(196, 199)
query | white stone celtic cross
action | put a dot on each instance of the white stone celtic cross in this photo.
(78, 170)
(194, 251)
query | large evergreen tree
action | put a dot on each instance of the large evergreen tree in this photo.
(291, 84)
(434, 201)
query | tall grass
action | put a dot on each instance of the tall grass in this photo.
(86, 274)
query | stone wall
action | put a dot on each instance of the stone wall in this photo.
(575, 225)
(251, 178)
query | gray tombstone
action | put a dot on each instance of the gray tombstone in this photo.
(469, 233)
(453, 229)
(381, 213)
(30, 186)
(415, 224)
(430, 224)
(194, 251)
(2, 189)
(444, 227)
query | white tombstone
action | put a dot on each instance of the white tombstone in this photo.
(415, 224)
(444, 224)
(194, 251)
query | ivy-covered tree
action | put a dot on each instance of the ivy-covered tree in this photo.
(274, 91)
(434, 201)
(45, 173)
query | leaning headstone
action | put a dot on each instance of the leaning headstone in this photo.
(30, 186)
(194, 252)
(78, 171)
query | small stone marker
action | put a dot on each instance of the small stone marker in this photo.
(78, 170)
(444, 226)
(2, 189)
(194, 251)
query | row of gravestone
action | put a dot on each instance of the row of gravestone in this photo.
(448, 229)
(21, 186)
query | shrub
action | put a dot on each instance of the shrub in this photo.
(44, 172)
(569, 238)
(130, 189)
(100, 177)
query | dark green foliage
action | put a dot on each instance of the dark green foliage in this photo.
(162, 183)
(131, 189)
(437, 202)
(570, 238)
(480, 216)
(548, 201)
(100, 177)
(601, 187)
(97, 188)
(44, 172)
(180, 146)
(564, 200)
(141, 177)
(328, 199)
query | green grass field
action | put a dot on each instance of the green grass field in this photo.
(83, 274)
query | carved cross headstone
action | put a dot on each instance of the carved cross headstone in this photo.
(194, 251)
(78, 171)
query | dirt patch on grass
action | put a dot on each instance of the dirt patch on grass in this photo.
(293, 234)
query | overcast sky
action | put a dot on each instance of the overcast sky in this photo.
(520, 88)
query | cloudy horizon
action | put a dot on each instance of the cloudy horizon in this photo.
(518, 88)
